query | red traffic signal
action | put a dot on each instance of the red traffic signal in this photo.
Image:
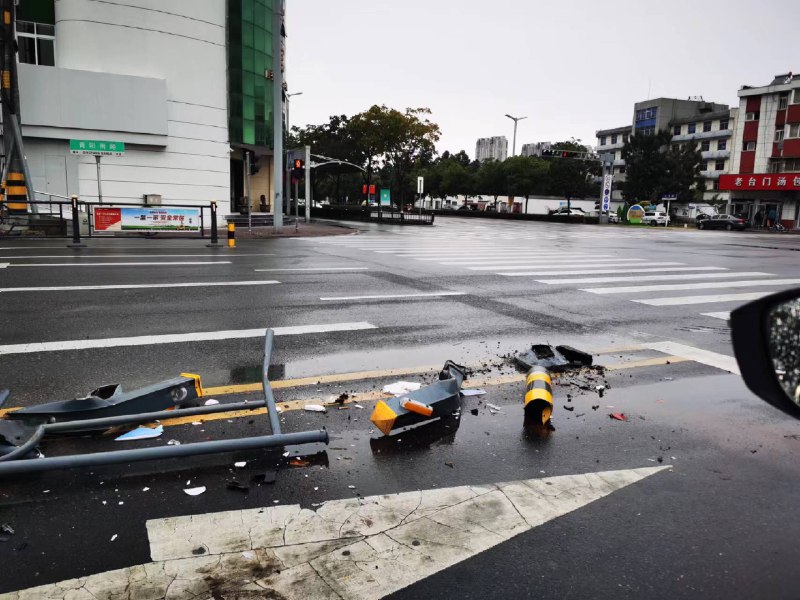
(298, 164)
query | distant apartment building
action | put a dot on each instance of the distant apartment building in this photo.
(708, 124)
(764, 178)
(495, 148)
(535, 149)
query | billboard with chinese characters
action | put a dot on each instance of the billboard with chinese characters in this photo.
(127, 218)
(760, 182)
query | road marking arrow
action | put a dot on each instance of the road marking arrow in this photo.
(360, 548)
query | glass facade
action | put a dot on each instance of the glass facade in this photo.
(250, 111)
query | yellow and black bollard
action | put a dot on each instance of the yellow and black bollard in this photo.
(538, 395)
(16, 194)
(231, 235)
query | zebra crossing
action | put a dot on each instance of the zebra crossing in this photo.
(480, 250)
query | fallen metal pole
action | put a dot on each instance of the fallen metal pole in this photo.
(33, 465)
(105, 422)
(269, 398)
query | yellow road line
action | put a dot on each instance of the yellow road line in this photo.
(650, 362)
(318, 380)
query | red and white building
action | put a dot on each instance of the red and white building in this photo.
(764, 174)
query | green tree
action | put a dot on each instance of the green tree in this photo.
(525, 176)
(573, 177)
(491, 180)
(646, 170)
(682, 177)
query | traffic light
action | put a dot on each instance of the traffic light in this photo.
(298, 168)
(556, 153)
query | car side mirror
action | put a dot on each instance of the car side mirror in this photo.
(766, 341)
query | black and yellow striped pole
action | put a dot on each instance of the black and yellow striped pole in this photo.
(231, 235)
(538, 395)
(16, 193)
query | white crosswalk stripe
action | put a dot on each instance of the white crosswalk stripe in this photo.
(480, 251)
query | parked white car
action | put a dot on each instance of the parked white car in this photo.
(655, 219)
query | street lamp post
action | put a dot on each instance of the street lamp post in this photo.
(514, 143)
(288, 126)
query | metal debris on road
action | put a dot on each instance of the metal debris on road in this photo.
(237, 486)
(298, 462)
(473, 392)
(196, 491)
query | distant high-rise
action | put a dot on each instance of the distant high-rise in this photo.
(535, 149)
(491, 148)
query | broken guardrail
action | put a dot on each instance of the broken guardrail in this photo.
(21, 455)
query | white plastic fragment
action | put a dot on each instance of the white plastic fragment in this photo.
(173, 443)
(493, 407)
(314, 408)
(401, 388)
(141, 433)
(113, 537)
(357, 406)
(195, 491)
(211, 402)
(241, 464)
(146, 489)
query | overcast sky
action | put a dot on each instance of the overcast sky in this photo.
(570, 66)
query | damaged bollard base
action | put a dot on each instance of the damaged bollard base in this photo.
(437, 400)
(555, 359)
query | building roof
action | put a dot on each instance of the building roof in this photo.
(778, 83)
(623, 129)
(717, 114)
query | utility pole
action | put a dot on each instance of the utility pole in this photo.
(277, 113)
(16, 165)
(514, 143)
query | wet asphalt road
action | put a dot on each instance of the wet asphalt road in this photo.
(720, 524)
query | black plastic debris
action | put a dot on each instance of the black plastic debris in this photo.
(557, 359)
(233, 484)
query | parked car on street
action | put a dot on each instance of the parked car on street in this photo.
(728, 222)
(570, 212)
(613, 217)
(655, 218)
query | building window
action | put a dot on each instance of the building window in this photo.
(603, 140)
(751, 116)
(796, 96)
(621, 170)
(715, 185)
(647, 131)
(783, 101)
(779, 135)
(748, 146)
(706, 125)
(719, 165)
(692, 127)
(624, 138)
(723, 125)
(705, 146)
(704, 166)
(614, 139)
(722, 145)
(676, 130)
(36, 43)
(794, 131)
